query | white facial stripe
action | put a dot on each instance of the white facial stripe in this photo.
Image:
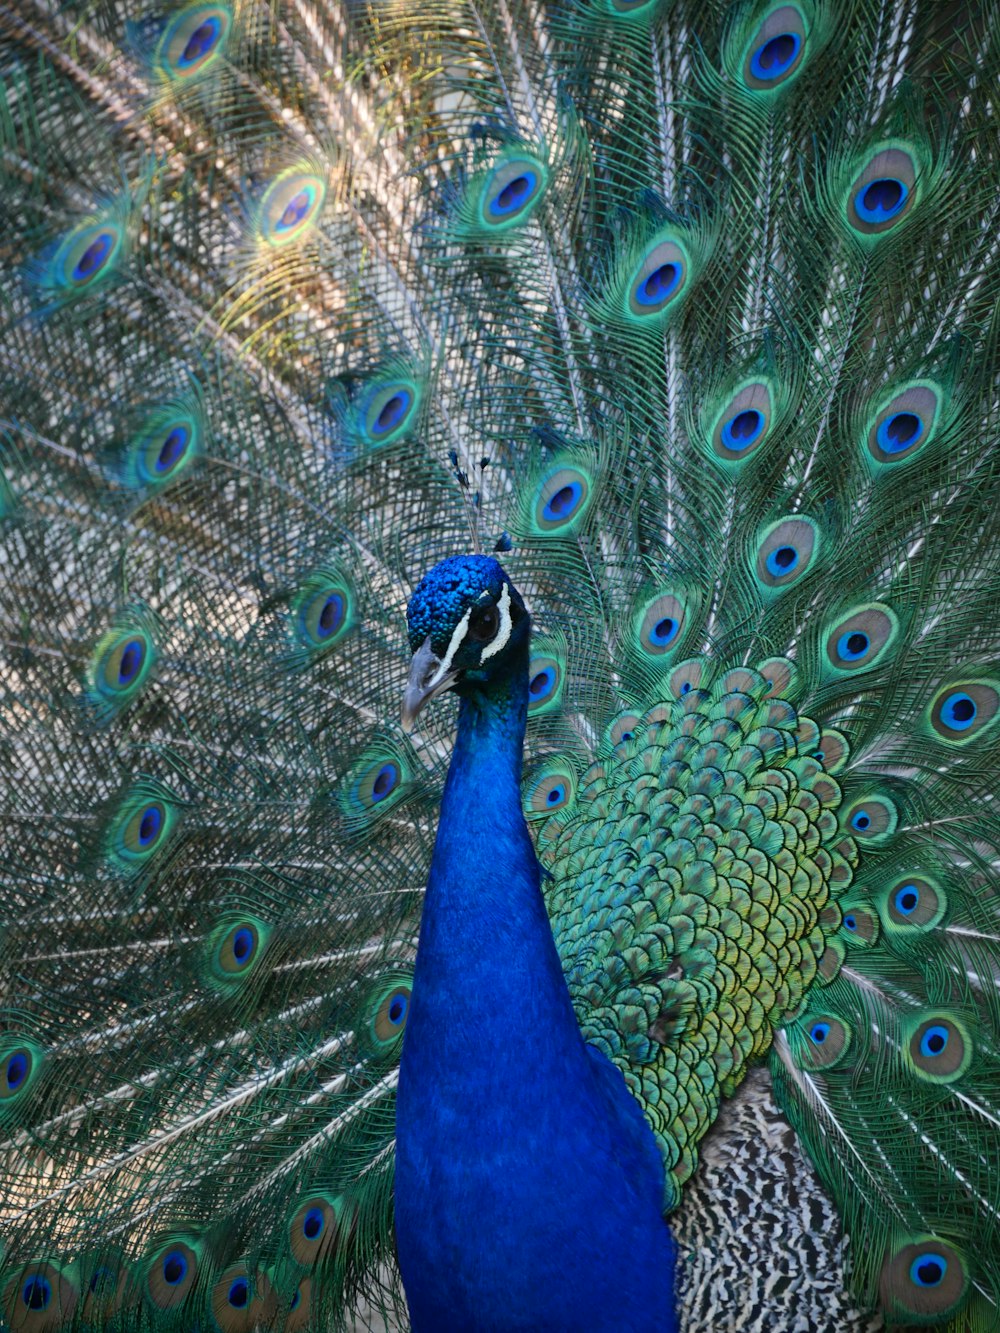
(453, 647)
(494, 646)
(506, 625)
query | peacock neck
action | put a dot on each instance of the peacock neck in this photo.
(527, 1180)
(484, 921)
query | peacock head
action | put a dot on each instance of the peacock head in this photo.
(467, 622)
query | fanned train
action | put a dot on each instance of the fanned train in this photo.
(688, 311)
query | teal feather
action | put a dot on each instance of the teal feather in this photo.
(694, 302)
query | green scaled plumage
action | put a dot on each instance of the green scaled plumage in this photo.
(697, 304)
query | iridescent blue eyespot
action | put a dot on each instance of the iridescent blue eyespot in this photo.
(853, 645)
(143, 823)
(560, 499)
(742, 430)
(775, 57)
(658, 282)
(928, 1270)
(786, 551)
(906, 899)
(172, 450)
(940, 1049)
(18, 1067)
(150, 825)
(322, 611)
(289, 207)
(192, 41)
(238, 1294)
(377, 782)
(829, 1041)
(541, 684)
(17, 1070)
(686, 687)
(385, 410)
(313, 1224)
(94, 257)
(243, 946)
(510, 192)
(775, 51)
(880, 200)
(958, 711)
(83, 258)
(392, 412)
(389, 1021)
(560, 505)
(934, 1040)
(201, 42)
(546, 675)
(850, 922)
(550, 788)
(659, 285)
(385, 782)
(661, 622)
(884, 191)
(295, 210)
(964, 709)
(782, 560)
(898, 432)
(234, 949)
(37, 1293)
(130, 662)
(514, 195)
(167, 443)
(861, 820)
(331, 616)
(175, 1267)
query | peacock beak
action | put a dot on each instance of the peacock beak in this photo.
(429, 676)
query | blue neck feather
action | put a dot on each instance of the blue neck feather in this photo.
(528, 1185)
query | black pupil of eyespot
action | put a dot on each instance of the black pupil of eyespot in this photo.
(777, 52)
(857, 643)
(744, 424)
(514, 192)
(884, 194)
(903, 427)
(929, 1272)
(35, 1295)
(660, 280)
(199, 42)
(963, 710)
(936, 1043)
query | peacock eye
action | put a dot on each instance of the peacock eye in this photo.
(484, 624)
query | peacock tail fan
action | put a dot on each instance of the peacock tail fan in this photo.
(693, 308)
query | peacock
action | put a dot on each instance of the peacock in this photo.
(500, 674)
